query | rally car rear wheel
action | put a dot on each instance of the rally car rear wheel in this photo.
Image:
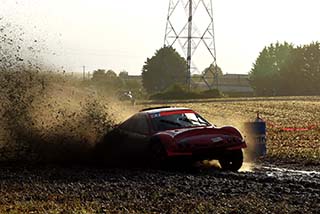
(232, 160)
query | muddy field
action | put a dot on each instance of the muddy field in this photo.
(80, 189)
(50, 123)
(50, 127)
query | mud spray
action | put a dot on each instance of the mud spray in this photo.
(239, 122)
(46, 116)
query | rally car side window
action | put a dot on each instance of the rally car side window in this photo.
(128, 124)
(137, 124)
(141, 124)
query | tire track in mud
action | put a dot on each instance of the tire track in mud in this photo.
(283, 174)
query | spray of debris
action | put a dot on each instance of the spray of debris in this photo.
(46, 116)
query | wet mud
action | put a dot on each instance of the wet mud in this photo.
(113, 190)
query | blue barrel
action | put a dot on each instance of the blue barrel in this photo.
(257, 130)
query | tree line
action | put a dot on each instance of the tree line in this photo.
(108, 82)
(283, 69)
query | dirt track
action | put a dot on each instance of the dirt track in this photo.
(98, 190)
(90, 189)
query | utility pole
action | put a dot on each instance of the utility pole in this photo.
(84, 73)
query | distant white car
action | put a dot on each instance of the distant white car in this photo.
(127, 96)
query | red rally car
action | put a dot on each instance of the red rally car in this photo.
(157, 135)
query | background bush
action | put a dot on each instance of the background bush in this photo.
(180, 92)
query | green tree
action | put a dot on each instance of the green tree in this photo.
(301, 73)
(98, 75)
(110, 74)
(123, 74)
(312, 68)
(290, 73)
(265, 74)
(164, 69)
(212, 69)
(211, 73)
(106, 80)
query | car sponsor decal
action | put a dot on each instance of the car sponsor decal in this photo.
(155, 115)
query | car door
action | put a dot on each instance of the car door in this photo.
(137, 137)
(124, 135)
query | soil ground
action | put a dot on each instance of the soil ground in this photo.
(286, 180)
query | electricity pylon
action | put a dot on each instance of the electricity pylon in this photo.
(182, 31)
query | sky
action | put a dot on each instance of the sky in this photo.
(121, 34)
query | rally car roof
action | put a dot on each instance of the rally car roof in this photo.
(163, 109)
